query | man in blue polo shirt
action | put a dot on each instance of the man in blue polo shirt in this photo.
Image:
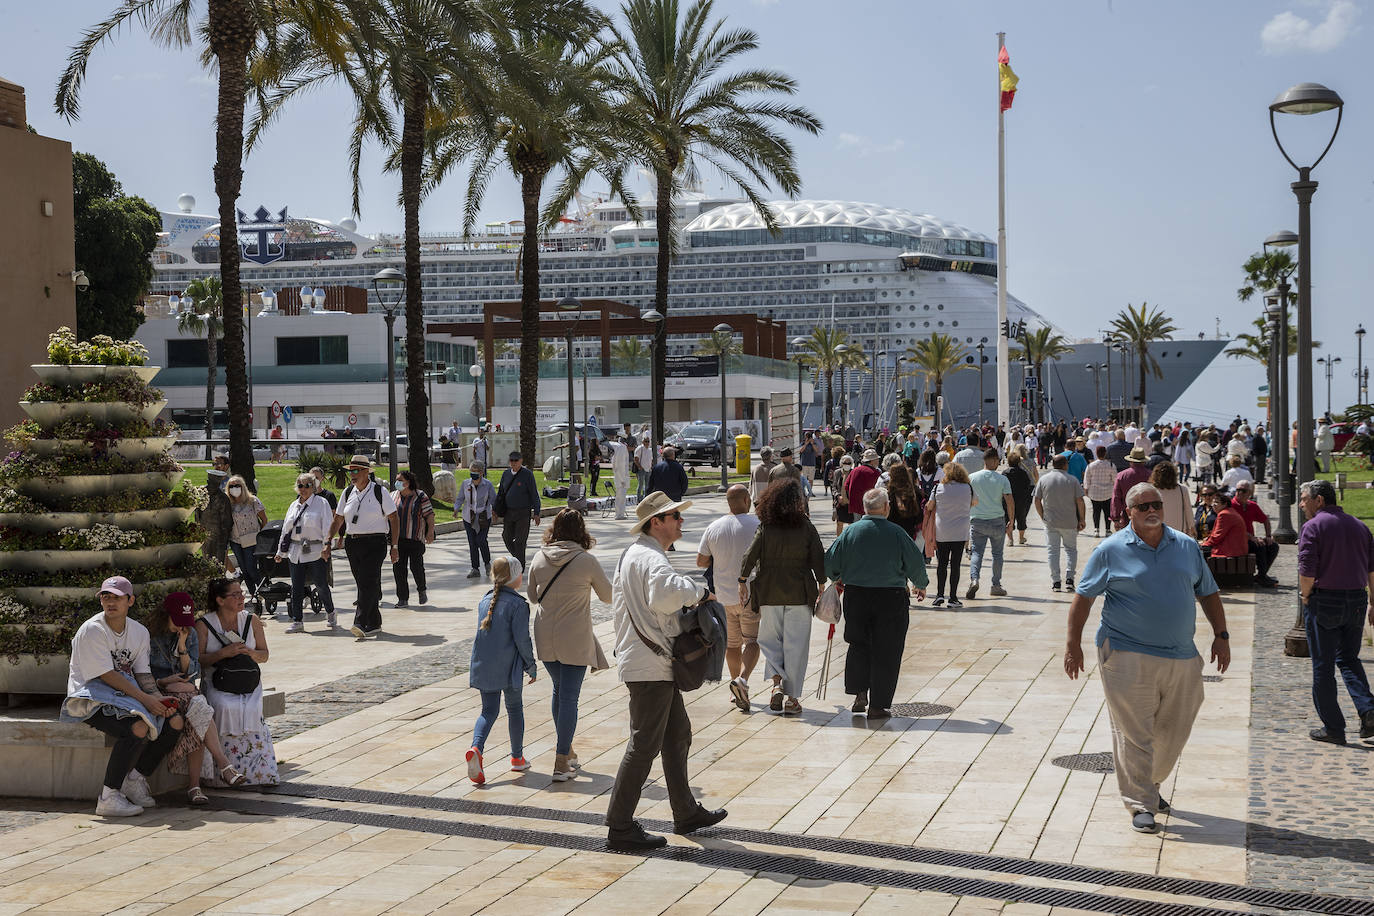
(1151, 672)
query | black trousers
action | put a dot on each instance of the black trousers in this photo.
(130, 751)
(658, 727)
(1102, 514)
(412, 553)
(948, 556)
(366, 553)
(875, 625)
(1264, 556)
(515, 533)
(1022, 510)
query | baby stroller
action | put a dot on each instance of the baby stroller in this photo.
(274, 576)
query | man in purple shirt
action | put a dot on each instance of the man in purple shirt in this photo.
(1335, 565)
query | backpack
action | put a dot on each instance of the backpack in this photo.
(239, 674)
(691, 653)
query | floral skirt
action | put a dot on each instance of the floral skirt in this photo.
(252, 754)
(198, 715)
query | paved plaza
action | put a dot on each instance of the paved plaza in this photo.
(959, 804)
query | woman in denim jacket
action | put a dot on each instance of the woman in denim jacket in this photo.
(501, 652)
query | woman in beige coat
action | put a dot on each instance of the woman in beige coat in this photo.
(561, 578)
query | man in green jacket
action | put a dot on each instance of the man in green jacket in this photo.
(875, 559)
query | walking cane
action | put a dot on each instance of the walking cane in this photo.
(825, 665)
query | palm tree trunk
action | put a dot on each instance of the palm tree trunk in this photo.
(231, 33)
(664, 223)
(1144, 353)
(939, 393)
(531, 183)
(211, 354)
(830, 398)
(417, 404)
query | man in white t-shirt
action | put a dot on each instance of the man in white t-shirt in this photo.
(369, 510)
(644, 463)
(620, 471)
(110, 686)
(723, 546)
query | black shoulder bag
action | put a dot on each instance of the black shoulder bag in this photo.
(238, 674)
(690, 655)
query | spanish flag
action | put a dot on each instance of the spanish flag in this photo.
(1008, 78)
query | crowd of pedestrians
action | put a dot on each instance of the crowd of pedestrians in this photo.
(184, 688)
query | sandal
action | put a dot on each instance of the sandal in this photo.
(231, 777)
(196, 797)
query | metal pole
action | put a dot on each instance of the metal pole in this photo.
(1276, 477)
(572, 461)
(724, 429)
(1003, 393)
(391, 389)
(1108, 364)
(587, 428)
(981, 360)
(1284, 533)
(1359, 364)
(799, 400)
(1303, 189)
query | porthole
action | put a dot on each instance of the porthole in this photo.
(940, 323)
(927, 324)
(955, 323)
(927, 306)
(941, 306)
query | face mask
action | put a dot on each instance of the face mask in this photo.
(235, 491)
(476, 476)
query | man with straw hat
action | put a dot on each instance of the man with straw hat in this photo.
(369, 511)
(1136, 472)
(646, 595)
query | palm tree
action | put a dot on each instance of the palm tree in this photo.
(685, 111)
(1256, 346)
(547, 351)
(203, 315)
(499, 348)
(432, 61)
(629, 353)
(936, 357)
(229, 29)
(822, 352)
(1038, 347)
(721, 344)
(551, 110)
(1136, 327)
(1265, 271)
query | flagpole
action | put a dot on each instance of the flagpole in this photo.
(1003, 365)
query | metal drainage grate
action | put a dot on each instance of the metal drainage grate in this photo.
(917, 710)
(1087, 763)
(1211, 678)
(1058, 871)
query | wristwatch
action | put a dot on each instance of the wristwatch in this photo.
(1223, 635)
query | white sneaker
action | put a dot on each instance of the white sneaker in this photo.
(297, 626)
(135, 789)
(114, 804)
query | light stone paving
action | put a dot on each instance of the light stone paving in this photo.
(979, 779)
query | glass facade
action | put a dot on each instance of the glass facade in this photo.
(853, 235)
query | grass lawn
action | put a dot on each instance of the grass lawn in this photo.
(277, 485)
(1358, 502)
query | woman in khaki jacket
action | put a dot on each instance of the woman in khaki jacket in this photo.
(791, 562)
(561, 578)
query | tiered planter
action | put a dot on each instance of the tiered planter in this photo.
(39, 619)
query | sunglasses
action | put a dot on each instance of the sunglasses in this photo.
(675, 516)
(1153, 505)
(304, 486)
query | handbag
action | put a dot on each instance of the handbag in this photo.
(828, 606)
(690, 655)
(538, 602)
(498, 505)
(239, 674)
(928, 530)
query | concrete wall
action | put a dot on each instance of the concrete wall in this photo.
(35, 248)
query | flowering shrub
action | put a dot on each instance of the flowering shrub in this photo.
(99, 537)
(195, 567)
(124, 389)
(10, 501)
(65, 350)
(19, 466)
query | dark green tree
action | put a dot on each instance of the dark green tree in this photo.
(115, 237)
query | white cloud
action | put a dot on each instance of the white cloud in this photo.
(1289, 32)
(865, 146)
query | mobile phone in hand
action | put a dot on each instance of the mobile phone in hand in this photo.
(169, 702)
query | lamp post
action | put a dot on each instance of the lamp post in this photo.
(475, 371)
(1328, 364)
(879, 405)
(653, 316)
(1305, 99)
(1360, 376)
(1095, 369)
(391, 279)
(1284, 533)
(798, 343)
(723, 334)
(1107, 363)
(981, 359)
(570, 303)
(841, 350)
(1272, 324)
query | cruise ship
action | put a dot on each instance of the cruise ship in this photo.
(888, 276)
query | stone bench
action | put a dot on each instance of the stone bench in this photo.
(1234, 571)
(43, 757)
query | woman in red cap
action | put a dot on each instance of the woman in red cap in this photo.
(174, 656)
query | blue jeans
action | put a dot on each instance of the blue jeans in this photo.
(643, 484)
(1069, 538)
(248, 565)
(317, 570)
(1335, 621)
(515, 719)
(478, 548)
(982, 531)
(567, 689)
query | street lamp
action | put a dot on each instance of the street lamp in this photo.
(1272, 323)
(476, 372)
(841, 350)
(879, 407)
(570, 303)
(724, 338)
(1284, 533)
(1360, 375)
(981, 359)
(391, 279)
(1305, 99)
(798, 345)
(1328, 363)
(1096, 370)
(653, 316)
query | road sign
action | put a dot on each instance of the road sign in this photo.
(1263, 387)
(1032, 382)
(286, 414)
(1263, 401)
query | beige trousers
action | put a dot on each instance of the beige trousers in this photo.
(1152, 702)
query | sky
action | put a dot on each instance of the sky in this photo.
(1140, 164)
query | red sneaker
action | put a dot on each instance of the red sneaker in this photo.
(474, 757)
(519, 764)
